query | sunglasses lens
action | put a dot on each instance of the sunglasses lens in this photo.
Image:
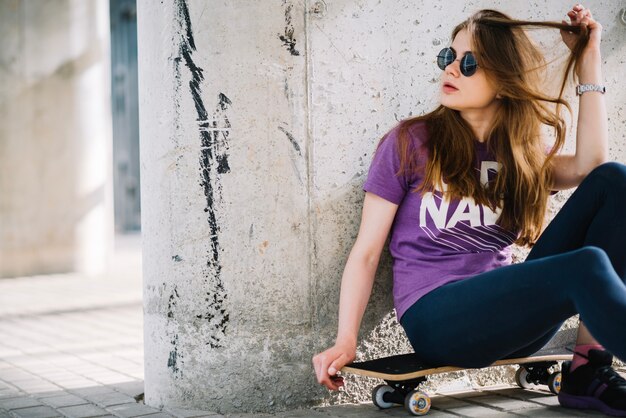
(468, 65)
(445, 57)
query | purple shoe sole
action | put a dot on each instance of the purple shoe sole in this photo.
(588, 402)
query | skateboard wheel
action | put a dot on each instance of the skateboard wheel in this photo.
(378, 396)
(554, 383)
(521, 378)
(417, 403)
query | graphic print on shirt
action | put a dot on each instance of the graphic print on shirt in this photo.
(468, 227)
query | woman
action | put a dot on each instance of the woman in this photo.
(457, 186)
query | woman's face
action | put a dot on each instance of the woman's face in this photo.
(470, 93)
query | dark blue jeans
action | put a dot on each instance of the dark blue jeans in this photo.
(577, 266)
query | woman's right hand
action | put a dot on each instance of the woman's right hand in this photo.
(329, 362)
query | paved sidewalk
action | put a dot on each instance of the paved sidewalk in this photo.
(72, 347)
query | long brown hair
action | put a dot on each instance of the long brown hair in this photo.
(514, 64)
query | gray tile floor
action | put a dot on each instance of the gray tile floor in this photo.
(71, 346)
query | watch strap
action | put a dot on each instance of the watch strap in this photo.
(582, 88)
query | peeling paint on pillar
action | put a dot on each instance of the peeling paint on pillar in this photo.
(213, 161)
(296, 147)
(173, 359)
(292, 140)
(171, 303)
(288, 40)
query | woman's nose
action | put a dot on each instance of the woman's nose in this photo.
(454, 68)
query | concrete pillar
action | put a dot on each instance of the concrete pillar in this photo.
(257, 122)
(55, 137)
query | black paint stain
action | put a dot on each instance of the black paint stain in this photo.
(220, 113)
(292, 140)
(288, 40)
(213, 162)
(173, 359)
(171, 304)
(177, 258)
(286, 88)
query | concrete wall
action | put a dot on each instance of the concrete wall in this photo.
(258, 121)
(55, 137)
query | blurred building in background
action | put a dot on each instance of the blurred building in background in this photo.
(125, 115)
(67, 145)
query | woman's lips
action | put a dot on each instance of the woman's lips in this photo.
(448, 88)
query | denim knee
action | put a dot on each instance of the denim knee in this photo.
(595, 260)
(613, 171)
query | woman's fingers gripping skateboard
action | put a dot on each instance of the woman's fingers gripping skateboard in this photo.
(329, 362)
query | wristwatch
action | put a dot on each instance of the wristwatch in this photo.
(581, 88)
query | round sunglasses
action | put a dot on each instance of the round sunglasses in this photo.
(468, 63)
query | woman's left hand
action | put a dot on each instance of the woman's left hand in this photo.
(581, 16)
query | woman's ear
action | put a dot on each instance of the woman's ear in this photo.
(498, 96)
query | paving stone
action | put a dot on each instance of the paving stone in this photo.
(465, 405)
(51, 394)
(444, 403)
(468, 394)
(547, 401)
(432, 413)
(110, 378)
(110, 399)
(21, 402)
(83, 411)
(16, 375)
(36, 412)
(190, 413)
(89, 391)
(365, 410)
(75, 384)
(556, 411)
(132, 410)
(300, 413)
(5, 394)
(132, 388)
(504, 403)
(532, 396)
(346, 410)
(477, 411)
(65, 400)
(39, 388)
(525, 394)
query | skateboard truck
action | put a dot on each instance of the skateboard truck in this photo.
(402, 392)
(539, 374)
(401, 389)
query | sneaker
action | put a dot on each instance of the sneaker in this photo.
(594, 385)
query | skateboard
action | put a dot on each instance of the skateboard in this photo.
(405, 372)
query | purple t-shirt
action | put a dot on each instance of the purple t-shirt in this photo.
(434, 242)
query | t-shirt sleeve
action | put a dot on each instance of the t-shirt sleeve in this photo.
(381, 178)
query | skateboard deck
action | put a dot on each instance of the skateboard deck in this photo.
(405, 372)
(409, 366)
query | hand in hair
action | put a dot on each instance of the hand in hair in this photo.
(581, 16)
